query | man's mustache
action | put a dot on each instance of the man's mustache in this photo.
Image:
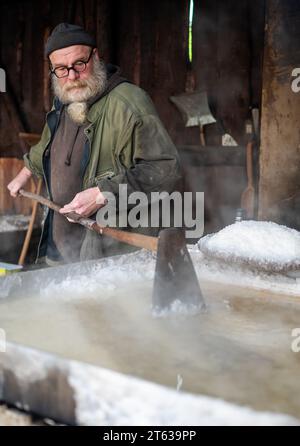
(75, 84)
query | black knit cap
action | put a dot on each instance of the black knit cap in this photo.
(66, 34)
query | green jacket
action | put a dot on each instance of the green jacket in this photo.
(126, 144)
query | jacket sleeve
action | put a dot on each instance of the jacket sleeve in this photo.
(155, 164)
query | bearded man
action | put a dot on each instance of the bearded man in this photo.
(102, 131)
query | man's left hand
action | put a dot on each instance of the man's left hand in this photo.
(85, 203)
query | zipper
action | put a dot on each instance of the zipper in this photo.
(86, 162)
(57, 112)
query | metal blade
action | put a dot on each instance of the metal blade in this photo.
(175, 277)
(194, 108)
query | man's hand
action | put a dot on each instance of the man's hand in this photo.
(19, 181)
(85, 203)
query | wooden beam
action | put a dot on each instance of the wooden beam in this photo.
(212, 155)
(280, 137)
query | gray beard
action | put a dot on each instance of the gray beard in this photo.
(78, 112)
(77, 101)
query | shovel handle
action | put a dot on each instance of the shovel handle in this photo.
(137, 240)
(26, 243)
(40, 199)
(202, 136)
(249, 164)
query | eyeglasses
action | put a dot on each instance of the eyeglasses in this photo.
(79, 66)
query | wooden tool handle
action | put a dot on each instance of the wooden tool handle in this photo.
(249, 164)
(134, 239)
(26, 243)
(40, 199)
(137, 240)
(202, 136)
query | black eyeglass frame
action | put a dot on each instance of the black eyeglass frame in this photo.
(85, 62)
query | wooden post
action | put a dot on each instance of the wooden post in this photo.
(280, 136)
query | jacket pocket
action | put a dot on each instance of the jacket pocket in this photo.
(106, 174)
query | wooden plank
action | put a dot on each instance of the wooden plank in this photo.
(228, 48)
(152, 50)
(280, 155)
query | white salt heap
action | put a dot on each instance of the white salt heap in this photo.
(257, 243)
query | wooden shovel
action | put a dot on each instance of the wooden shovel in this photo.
(175, 278)
(248, 195)
(138, 240)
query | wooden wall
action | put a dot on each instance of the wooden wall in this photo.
(149, 41)
(229, 40)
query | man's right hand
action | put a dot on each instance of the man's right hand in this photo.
(19, 181)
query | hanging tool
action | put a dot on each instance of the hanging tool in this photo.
(195, 110)
(248, 195)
